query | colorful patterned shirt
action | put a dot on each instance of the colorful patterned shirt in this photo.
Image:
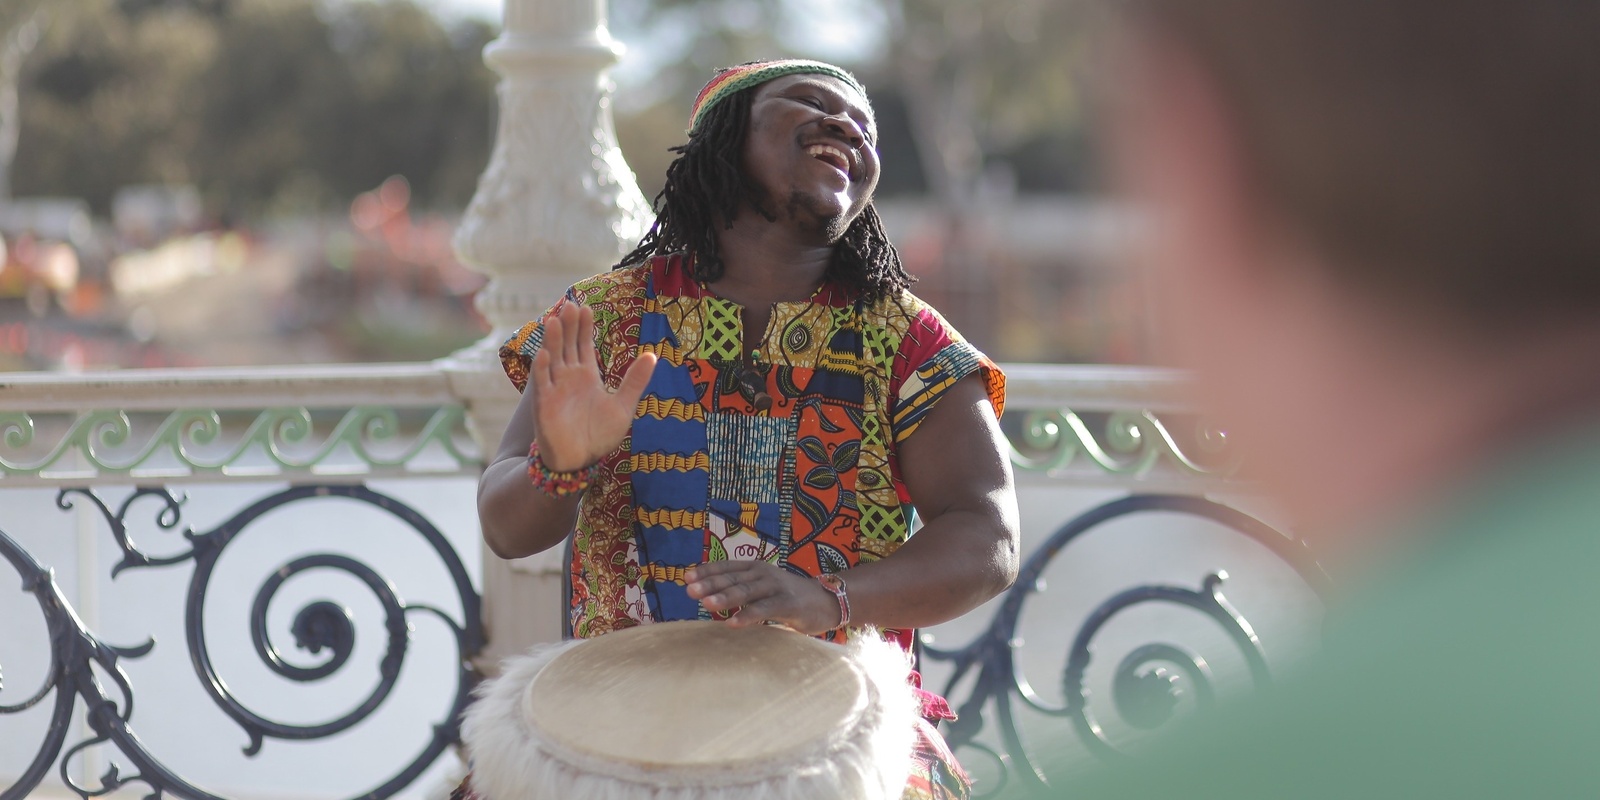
(811, 482)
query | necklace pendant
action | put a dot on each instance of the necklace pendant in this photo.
(754, 382)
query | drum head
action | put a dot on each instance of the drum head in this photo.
(687, 694)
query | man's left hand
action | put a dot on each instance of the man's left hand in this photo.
(760, 592)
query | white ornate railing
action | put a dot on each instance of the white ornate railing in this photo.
(143, 506)
(1080, 424)
(107, 458)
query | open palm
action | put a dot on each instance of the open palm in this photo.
(579, 419)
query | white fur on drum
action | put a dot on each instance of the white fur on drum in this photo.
(513, 760)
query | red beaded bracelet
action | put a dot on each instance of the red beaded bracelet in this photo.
(553, 483)
(835, 584)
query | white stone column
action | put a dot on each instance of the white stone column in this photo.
(557, 203)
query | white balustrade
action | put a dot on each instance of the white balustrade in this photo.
(1081, 435)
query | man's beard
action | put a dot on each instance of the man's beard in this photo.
(809, 212)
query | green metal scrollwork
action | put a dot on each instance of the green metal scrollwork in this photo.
(286, 436)
(1134, 443)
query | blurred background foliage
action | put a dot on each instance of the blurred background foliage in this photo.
(283, 104)
(268, 181)
(962, 88)
(263, 105)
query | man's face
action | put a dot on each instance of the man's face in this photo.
(812, 151)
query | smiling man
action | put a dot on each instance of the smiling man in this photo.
(738, 419)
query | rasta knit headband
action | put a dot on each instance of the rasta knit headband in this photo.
(734, 79)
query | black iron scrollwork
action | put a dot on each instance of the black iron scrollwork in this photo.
(1144, 683)
(75, 651)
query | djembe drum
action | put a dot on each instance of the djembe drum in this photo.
(682, 710)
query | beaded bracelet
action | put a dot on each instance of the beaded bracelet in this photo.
(835, 585)
(553, 483)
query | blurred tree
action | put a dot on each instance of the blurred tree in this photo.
(20, 26)
(416, 94)
(992, 93)
(271, 99)
(986, 83)
(308, 104)
(981, 89)
(110, 98)
(267, 105)
(301, 104)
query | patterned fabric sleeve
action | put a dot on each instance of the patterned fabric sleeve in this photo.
(615, 298)
(931, 358)
(516, 355)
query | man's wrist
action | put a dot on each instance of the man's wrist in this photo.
(559, 462)
(557, 482)
(834, 584)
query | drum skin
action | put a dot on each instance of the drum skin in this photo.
(681, 710)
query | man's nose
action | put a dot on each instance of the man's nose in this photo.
(846, 128)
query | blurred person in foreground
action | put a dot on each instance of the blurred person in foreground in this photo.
(737, 418)
(1376, 241)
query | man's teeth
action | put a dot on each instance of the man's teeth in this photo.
(826, 150)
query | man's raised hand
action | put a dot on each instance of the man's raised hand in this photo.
(579, 420)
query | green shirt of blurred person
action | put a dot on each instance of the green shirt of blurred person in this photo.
(1375, 239)
(1463, 669)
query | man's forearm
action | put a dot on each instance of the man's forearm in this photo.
(952, 565)
(517, 519)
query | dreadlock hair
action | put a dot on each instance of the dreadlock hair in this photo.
(705, 186)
